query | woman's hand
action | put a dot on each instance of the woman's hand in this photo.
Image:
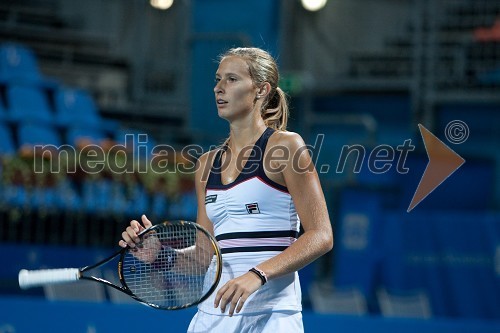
(236, 292)
(130, 235)
(145, 250)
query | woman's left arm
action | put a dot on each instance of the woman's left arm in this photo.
(303, 184)
(301, 179)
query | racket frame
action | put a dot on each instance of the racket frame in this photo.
(122, 252)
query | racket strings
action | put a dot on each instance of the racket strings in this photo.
(173, 268)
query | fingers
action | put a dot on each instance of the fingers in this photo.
(237, 301)
(241, 302)
(224, 298)
(219, 295)
(146, 221)
(130, 235)
(136, 226)
(236, 292)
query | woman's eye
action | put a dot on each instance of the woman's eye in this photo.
(232, 79)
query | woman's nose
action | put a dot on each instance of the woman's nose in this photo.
(218, 88)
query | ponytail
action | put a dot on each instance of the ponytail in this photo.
(275, 111)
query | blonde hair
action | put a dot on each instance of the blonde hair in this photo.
(263, 68)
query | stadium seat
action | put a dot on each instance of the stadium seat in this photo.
(18, 63)
(67, 196)
(76, 107)
(14, 196)
(30, 134)
(28, 103)
(102, 195)
(60, 196)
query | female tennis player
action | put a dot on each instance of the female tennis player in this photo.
(253, 193)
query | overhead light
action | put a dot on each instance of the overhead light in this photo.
(161, 4)
(313, 5)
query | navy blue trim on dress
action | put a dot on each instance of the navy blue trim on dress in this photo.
(258, 234)
(254, 167)
(253, 249)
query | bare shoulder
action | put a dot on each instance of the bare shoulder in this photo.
(289, 153)
(289, 140)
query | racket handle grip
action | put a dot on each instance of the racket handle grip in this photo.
(28, 279)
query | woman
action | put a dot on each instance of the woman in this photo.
(251, 193)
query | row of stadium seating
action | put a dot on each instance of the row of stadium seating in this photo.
(40, 111)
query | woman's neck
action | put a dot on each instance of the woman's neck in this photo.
(242, 136)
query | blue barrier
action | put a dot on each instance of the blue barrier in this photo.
(22, 315)
(452, 256)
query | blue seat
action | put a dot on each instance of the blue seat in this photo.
(28, 103)
(76, 107)
(67, 196)
(103, 196)
(42, 197)
(7, 146)
(18, 63)
(30, 134)
(61, 196)
(13, 196)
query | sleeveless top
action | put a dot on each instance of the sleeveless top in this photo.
(254, 219)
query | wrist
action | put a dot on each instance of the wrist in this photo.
(260, 273)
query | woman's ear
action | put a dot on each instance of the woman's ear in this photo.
(264, 90)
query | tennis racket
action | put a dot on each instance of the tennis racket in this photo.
(175, 265)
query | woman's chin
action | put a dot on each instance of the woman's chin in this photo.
(224, 114)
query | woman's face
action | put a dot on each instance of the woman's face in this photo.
(235, 91)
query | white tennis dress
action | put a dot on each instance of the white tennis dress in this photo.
(254, 219)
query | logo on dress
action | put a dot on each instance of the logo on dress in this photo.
(253, 208)
(210, 198)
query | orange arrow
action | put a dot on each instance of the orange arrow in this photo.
(442, 163)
